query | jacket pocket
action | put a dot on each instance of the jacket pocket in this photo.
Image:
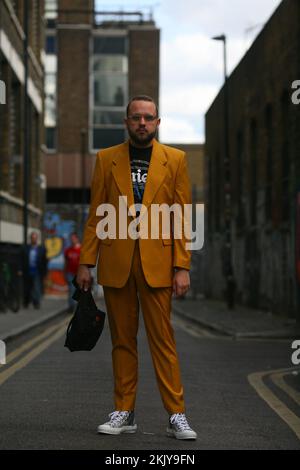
(167, 241)
(106, 241)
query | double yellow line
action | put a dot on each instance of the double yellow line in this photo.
(277, 376)
(43, 341)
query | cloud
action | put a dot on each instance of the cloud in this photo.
(216, 16)
(187, 101)
(191, 76)
(179, 130)
(191, 63)
(197, 58)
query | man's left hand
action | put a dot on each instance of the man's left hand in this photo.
(181, 282)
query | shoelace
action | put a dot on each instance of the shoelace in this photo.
(180, 420)
(116, 417)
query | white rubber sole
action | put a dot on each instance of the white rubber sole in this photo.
(184, 435)
(105, 429)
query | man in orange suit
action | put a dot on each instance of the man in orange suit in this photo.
(138, 270)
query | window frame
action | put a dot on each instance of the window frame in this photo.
(93, 73)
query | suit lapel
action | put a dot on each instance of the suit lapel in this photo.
(122, 174)
(156, 175)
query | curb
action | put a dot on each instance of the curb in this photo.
(25, 328)
(270, 334)
(211, 326)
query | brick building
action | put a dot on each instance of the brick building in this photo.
(264, 140)
(95, 62)
(195, 161)
(12, 73)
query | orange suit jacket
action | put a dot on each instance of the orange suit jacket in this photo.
(167, 183)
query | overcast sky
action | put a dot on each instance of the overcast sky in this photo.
(191, 64)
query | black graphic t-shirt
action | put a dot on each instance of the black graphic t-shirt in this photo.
(139, 162)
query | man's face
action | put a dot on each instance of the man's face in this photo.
(34, 238)
(74, 239)
(142, 122)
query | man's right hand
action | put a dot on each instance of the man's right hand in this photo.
(83, 277)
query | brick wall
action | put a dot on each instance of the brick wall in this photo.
(259, 92)
(12, 115)
(72, 88)
(144, 62)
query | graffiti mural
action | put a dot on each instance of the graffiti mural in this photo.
(57, 232)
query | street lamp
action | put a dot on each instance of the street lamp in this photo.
(227, 260)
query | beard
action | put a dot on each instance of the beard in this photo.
(143, 140)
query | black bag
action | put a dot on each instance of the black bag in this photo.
(86, 324)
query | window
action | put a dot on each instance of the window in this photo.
(110, 45)
(107, 137)
(110, 63)
(109, 90)
(51, 44)
(50, 100)
(50, 138)
(50, 116)
(108, 117)
(51, 9)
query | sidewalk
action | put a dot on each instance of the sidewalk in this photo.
(242, 322)
(14, 324)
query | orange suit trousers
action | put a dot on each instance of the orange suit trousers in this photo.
(123, 306)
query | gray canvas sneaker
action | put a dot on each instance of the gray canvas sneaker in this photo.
(179, 427)
(120, 422)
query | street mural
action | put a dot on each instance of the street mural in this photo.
(57, 232)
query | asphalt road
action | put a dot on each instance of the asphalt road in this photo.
(54, 399)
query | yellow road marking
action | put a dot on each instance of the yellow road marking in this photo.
(278, 380)
(290, 418)
(24, 347)
(7, 373)
(193, 330)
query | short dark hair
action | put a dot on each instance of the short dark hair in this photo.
(142, 98)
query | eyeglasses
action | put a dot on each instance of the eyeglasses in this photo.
(138, 117)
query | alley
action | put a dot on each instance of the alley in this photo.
(54, 399)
